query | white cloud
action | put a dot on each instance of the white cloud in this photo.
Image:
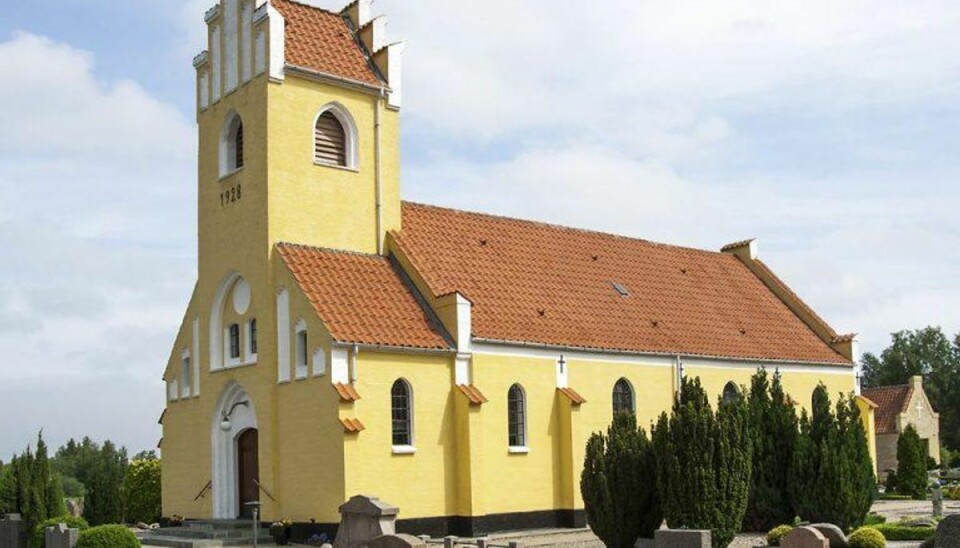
(96, 232)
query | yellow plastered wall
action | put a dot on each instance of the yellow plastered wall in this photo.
(422, 484)
(868, 417)
(310, 474)
(321, 205)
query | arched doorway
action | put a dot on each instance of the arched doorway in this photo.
(235, 453)
(248, 470)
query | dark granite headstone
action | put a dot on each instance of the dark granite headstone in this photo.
(948, 532)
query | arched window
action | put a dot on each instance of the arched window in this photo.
(731, 394)
(517, 416)
(623, 397)
(302, 349)
(401, 413)
(186, 373)
(231, 145)
(335, 137)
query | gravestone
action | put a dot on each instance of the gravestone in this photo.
(805, 537)
(936, 496)
(61, 536)
(396, 541)
(364, 518)
(834, 534)
(948, 532)
(682, 538)
(12, 531)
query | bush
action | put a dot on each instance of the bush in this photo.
(703, 464)
(911, 465)
(832, 478)
(874, 519)
(108, 536)
(891, 484)
(894, 531)
(777, 533)
(619, 484)
(39, 532)
(773, 432)
(141, 487)
(864, 537)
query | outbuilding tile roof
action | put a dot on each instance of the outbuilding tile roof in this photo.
(362, 299)
(891, 401)
(539, 283)
(322, 40)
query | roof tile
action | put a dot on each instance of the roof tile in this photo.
(891, 401)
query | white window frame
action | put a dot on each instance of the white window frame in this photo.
(350, 136)
(251, 356)
(524, 447)
(228, 145)
(301, 353)
(409, 448)
(186, 373)
(228, 359)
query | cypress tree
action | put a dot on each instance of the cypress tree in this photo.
(618, 484)
(703, 463)
(773, 432)
(911, 465)
(104, 503)
(831, 475)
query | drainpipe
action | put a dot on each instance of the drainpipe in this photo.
(377, 175)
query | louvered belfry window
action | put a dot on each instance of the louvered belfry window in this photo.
(330, 141)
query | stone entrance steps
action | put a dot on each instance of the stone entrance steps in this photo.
(206, 534)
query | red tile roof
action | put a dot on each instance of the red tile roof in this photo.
(352, 426)
(540, 283)
(575, 398)
(362, 299)
(891, 401)
(347, 392)
(321, 40)
(473, 394)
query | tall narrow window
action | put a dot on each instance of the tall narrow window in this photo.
(401, 413)
(623, 397)
(731, 394)
(517, 416)
(253, 337)
(330, 141)
(185, 374)
(238, 147)
(234, 341)
(302, 356)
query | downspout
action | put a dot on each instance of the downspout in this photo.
(377, 175)
(353, 363)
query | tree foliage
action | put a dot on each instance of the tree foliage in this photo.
(29, 486)
(929, 353)
(704, 463)
(104, 502)
(773, 437)
(911, 464)
(141, 488)
(619, 485)
(831, 475)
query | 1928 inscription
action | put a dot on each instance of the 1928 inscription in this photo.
(231, 195)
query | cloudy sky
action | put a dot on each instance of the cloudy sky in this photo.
(826, 129)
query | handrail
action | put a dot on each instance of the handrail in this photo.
(206, 487)
(264, 489)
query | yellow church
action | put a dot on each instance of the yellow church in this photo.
(342, 341)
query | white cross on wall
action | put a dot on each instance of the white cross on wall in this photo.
(919, 410)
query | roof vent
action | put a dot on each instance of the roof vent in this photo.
(621, 289)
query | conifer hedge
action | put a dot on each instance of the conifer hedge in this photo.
(911, 465)
(619, 485)
(831, 476)
(704, 463)
(773, 437)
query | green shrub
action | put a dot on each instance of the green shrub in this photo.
(911, 465)
(864, 537)
(141, 488)
(773, 433)
(703, 463)
(891, 483)
(832, 479)
(874, 518)
(619, 484)
(39, 532)
(108, 536)
(894, 496)
(894, 531)
(777, 533)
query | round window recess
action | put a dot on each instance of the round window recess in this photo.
(241, 296)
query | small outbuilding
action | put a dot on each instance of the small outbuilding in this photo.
(897, 407)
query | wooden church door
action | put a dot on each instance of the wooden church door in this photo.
(248, 470)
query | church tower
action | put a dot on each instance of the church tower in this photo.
(298, 115)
